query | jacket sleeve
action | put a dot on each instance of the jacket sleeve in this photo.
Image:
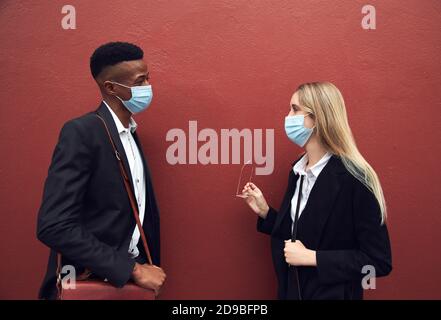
(59, 218)
(266, 225)
(374, 249)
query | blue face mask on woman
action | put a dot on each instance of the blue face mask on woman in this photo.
(296, 131)
(140, 100)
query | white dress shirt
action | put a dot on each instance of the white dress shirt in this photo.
(137, 171)
(311, 176)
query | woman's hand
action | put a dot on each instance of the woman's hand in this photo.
(255, 199)
(296, 254)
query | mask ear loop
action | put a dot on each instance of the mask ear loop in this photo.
(310, 114)
(120, 84)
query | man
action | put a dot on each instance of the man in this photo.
(86, 214)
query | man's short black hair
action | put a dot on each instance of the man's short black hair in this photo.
(112, 53)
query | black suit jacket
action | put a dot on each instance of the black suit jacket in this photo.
(341, 221)
(85, 212)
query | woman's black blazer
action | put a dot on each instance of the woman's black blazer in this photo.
(342, 222)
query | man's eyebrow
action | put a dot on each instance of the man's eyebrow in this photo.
(294, 105)
(143, 76)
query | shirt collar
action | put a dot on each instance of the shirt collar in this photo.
(299, 167)
(119, 126)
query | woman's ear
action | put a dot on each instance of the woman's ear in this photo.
(313, 122)
(310, 121)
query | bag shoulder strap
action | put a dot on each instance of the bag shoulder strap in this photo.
(296, 218)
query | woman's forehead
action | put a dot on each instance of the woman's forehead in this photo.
(295, 98)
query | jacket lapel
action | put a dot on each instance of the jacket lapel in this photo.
(320, 203)
(148, 191)
(105, 114)
(285, 207)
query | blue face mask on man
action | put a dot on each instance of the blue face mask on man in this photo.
(140, 100)
(296, 131)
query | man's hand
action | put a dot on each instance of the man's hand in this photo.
(148, 276)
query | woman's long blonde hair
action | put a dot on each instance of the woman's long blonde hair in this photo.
(325, 102)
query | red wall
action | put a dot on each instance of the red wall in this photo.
(227, 64)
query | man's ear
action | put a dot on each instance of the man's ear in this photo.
(108, 87)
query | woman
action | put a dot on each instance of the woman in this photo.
(328, 239)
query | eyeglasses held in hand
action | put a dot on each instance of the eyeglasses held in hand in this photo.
(244, 175)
